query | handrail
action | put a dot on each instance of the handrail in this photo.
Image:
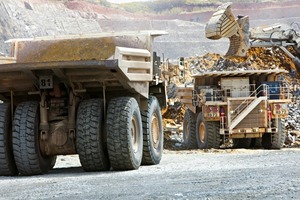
(246, 102)
(221, 94)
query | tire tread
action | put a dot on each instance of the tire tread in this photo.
(149, 156)
(89, 137)
(28, 159)
(7, 162)
(118, 142)
(191, 141)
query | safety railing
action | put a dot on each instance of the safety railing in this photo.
(213, 94)
(261, 91)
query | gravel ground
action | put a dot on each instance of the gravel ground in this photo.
(196, 174)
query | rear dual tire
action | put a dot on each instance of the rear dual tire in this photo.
(152, 133)
(90, 136)
(241, 143)
(26, 141)
(274, 140)
(124, 134)
(7, 162)
(189, 130)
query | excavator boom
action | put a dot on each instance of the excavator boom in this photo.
(223, 24)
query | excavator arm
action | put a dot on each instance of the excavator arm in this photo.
(223, 24)
(281, 35)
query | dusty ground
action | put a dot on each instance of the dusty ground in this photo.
(214, 174)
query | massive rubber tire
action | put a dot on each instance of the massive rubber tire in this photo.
(279, 137)
(207, 133)
(267, 140)
(7, 162)
(241, 143)
(89, 136)
(124, 133)
(26, 145)
(275, 140)
(256, 143)
(152, 133)
(189, 130)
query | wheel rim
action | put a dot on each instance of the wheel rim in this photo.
(202, 132)
(155, 130)
(134, 134)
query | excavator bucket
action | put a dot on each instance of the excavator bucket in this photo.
(223, 24)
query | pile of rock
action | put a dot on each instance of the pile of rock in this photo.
(257, 58)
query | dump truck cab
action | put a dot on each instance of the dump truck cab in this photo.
(245, 106)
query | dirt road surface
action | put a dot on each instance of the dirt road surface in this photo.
(214, 174)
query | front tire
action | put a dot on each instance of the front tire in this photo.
(124, 133)
(89, 137)
(189, 130)
(152, 133)
(7, 162)
(26, 141)
(207, 133)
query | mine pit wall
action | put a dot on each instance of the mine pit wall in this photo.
(23, 19)
(53, 18)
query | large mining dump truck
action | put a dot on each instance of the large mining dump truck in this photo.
(98, 96)
(245, 107)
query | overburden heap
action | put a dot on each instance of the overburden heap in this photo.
(257, 59)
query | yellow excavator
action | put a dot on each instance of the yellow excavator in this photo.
(223, 24)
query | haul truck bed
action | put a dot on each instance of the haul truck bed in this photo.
(82, 63)
(81, 76)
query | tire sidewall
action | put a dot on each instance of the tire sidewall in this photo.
(136, 157)
(186, 127)
(155, 110)
(199, 122)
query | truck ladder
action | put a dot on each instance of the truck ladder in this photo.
(242, 114)
(248, 105)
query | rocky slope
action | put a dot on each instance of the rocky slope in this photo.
(33, 18)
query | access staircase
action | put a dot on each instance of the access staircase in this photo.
(250, 103)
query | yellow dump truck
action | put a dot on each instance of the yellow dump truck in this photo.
(97, 95)
(245, 106)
